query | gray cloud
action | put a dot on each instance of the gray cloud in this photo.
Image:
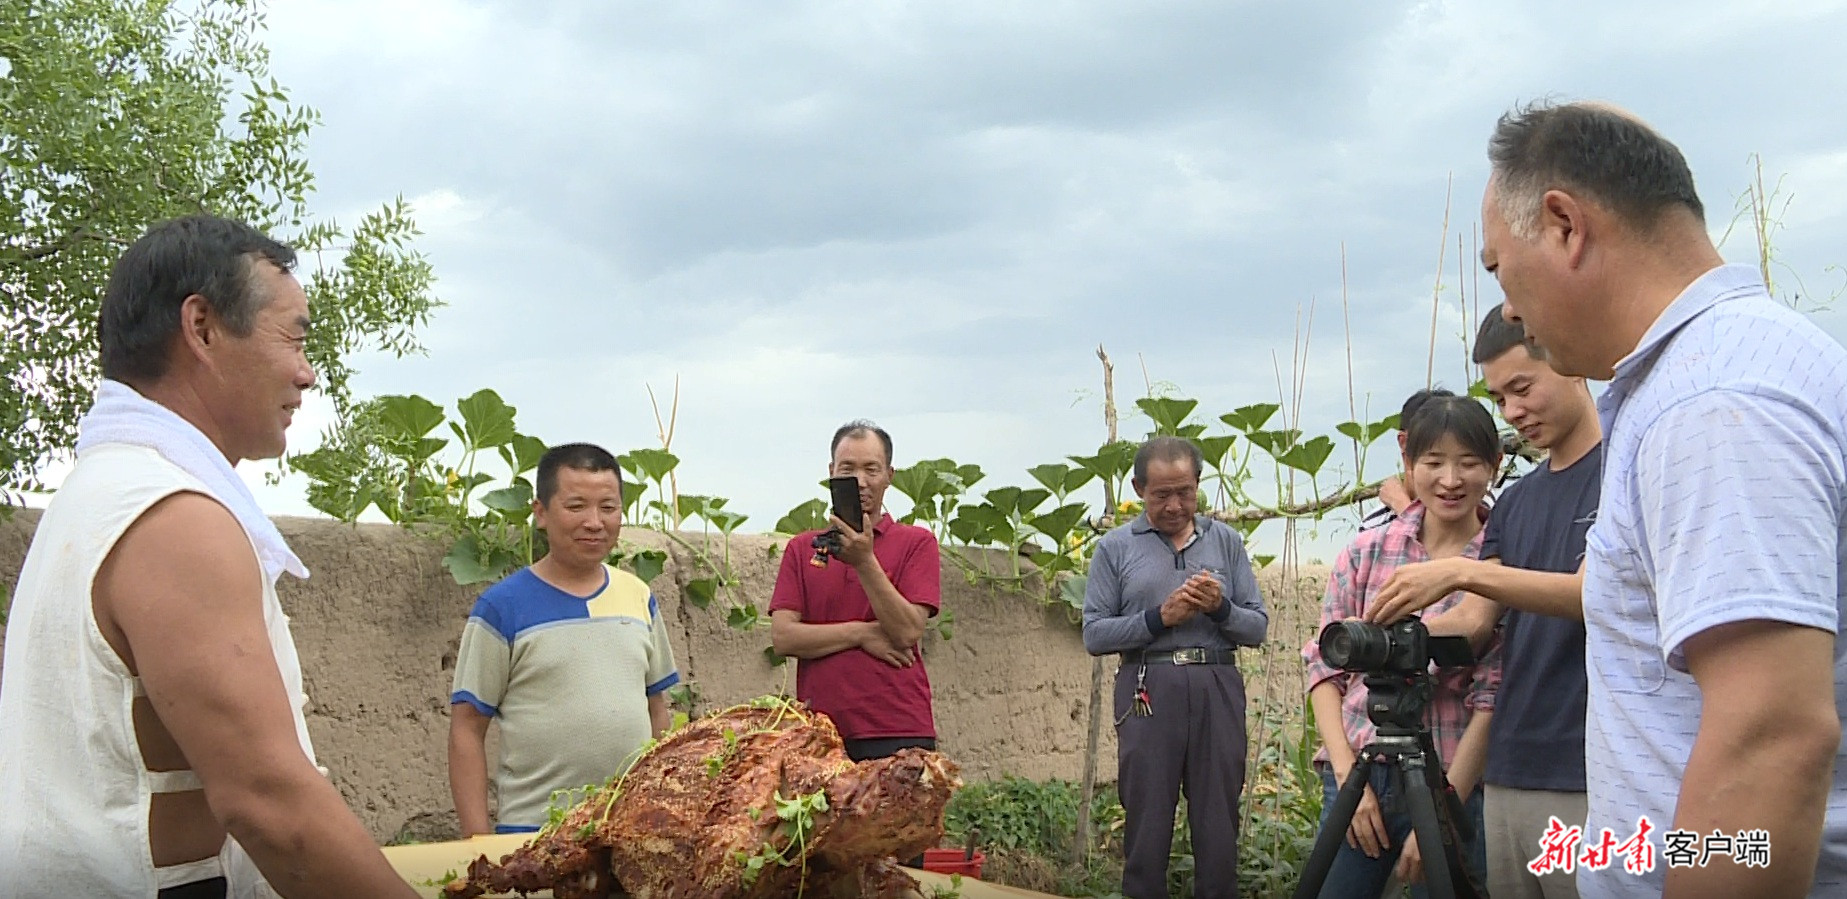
(932, 214)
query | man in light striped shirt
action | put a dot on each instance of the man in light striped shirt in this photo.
(1713, 575)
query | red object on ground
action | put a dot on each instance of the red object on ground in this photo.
(954, 861)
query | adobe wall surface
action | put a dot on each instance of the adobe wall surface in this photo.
(378, 624)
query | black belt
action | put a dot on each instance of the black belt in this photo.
(1192, 655)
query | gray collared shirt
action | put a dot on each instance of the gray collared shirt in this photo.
(1136, 567)
(1724, 491)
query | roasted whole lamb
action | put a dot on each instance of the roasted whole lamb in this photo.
(755, 801)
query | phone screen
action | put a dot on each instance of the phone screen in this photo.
(846, 501)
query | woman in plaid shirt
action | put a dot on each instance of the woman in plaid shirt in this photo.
(1451, 453)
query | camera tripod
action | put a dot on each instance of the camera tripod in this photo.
(1417, 776)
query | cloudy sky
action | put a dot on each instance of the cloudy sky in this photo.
(930, 214)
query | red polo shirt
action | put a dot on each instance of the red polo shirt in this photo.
(867, 698)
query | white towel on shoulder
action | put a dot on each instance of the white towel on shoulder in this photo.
(122, 415)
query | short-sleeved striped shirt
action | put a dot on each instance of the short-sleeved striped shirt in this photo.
(568, 677)
(1724, 487)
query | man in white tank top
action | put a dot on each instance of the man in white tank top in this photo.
(154, 744)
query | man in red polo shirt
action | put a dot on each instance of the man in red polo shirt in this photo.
(853, 625)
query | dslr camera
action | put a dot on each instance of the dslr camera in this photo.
(1396, 662)
(1404, 648)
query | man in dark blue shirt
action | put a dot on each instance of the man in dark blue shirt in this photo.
(1531, 562)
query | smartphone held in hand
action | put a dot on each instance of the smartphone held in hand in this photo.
(845, 492)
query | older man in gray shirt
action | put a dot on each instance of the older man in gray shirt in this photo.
(1174, 594)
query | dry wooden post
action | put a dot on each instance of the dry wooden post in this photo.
(1081, 849)
(665, 431)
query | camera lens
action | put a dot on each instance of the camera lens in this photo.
(1355, 646)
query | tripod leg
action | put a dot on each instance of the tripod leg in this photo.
(1440, 858)
(1334, 832)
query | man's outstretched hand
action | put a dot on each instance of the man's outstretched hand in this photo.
(1415, 587)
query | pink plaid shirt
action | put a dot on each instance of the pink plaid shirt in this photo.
(1364, 568)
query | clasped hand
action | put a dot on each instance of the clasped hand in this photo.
(1200, 593)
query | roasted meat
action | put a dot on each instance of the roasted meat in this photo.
(754, 802)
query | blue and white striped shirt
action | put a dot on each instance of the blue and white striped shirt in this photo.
(1724, 486)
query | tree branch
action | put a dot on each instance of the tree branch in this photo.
(1310, 509)
(78, 235)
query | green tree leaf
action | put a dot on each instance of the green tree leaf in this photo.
(487, 421)
(809, 516)
(1004, 500)
(1308, 457)
(1276, 443)
(692, 505)
(742, 617)
(1058, 523)
(1215, 448)
(647, 564)
(1365, 434)
(1029, 499)
(409, 416)
(1167, 413)
(513, 500)
(1250, 418)
(526, 453)
(980, 525)
(649, 463)
(1052, 475)
(116, 115)
(725, 520)
(631, 496)
(465, 564)
(701, 591)
(1117, 459)
(921, 480)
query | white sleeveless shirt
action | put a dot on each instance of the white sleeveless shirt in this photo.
(74, 793)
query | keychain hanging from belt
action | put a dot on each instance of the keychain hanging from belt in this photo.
(1141, 707)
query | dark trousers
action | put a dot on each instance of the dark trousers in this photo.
(885, 747)
(1194, 742)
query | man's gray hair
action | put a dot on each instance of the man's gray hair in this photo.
(860, 427)
(1594, 150)
(1168, 449)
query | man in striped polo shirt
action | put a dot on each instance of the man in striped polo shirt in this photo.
(1713, 583)
(569, 655)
